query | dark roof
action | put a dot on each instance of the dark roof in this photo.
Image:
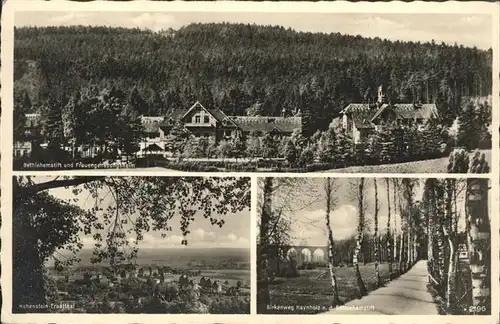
(268, 124)
(175, 114)
(362, 119)
(218, 114)
(364, 114)
(153, 148)
(425, 111)
(379, 111)
(245, 123)
(356, 107)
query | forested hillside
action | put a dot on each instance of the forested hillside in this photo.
(245, 69)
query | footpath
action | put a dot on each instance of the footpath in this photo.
(405, 295)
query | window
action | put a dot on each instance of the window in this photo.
(227, 133)
(206, 135)
(197, 119)
(206, 119)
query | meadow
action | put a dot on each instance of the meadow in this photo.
(307, 291)
(424, 166)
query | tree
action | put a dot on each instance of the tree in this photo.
(344, 147)
(360, 196)
(22, 105)
(75, 122)
(330, 202)
(389, 238)
(238, 147)
(263, 299)
(375, 235)
(291, 152)
(137, 103)
(225, 149)
(177, 139)
(478, 235)
(269, 146)
(256, 110)
(327, 146)
(254, 148)
(52, 124)
(195, 148)
(409, 223)
(279, 236)
(155, 104)
(307, 156)
(239, 74)
(43, 225)
(130, 130)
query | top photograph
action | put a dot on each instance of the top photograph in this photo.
(253, 91)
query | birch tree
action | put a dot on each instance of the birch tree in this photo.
(330, 203)
(375, 237)
(262, 267)
(388, 234)
(360, 195)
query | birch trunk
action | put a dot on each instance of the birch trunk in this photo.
(478, 239)
(359, 239)
(328, 192)
(430, 235)
(395, 236)
(377, 272)
(451, 274)
(389, 237)
(263, 264)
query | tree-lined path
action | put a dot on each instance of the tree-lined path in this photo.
(406, 295)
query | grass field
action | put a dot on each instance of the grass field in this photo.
(425, 166)
(308, 295)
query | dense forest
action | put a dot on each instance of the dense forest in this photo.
(245, 69)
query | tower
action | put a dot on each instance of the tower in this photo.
(381, 95)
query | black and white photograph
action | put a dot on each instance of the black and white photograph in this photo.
(251, 91)
(133, 245)
(378, 246)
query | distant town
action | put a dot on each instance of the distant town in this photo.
(134, 289)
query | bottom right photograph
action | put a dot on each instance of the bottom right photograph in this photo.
(388, 246)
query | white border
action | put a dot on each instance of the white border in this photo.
(10, 7)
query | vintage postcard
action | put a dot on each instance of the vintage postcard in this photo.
(235, 162)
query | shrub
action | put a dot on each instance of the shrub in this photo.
(306, 157)
(230, 306)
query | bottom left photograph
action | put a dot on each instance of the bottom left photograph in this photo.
(157, 245)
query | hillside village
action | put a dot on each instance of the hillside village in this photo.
(210, 134)
(132, 289)
(264, 104)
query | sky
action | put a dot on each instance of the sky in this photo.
(468, 30)
(235, 233)
(308, 219)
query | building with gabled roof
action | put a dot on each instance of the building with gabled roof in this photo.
(213, 124)
(361, 119)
